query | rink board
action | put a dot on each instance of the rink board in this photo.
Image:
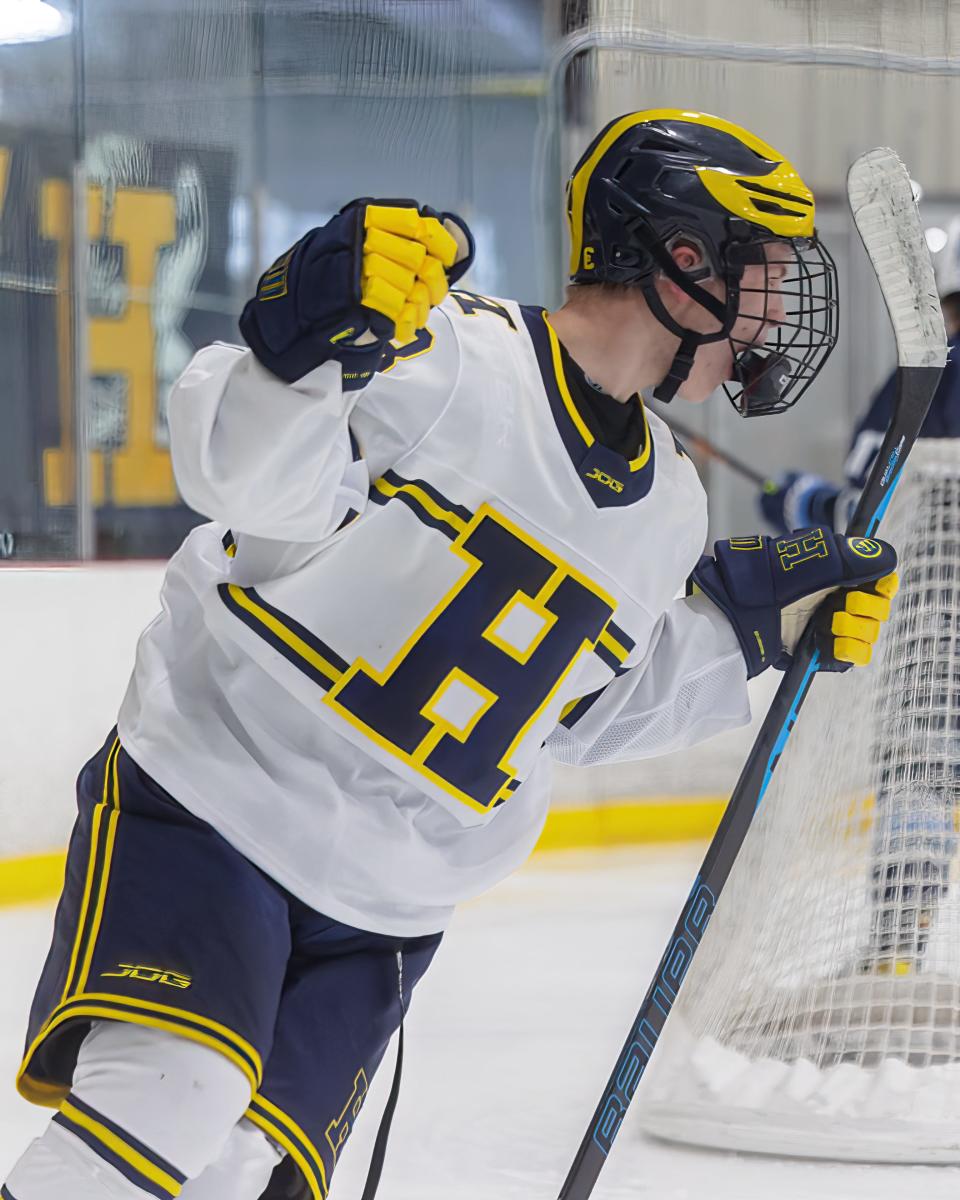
(66, 670)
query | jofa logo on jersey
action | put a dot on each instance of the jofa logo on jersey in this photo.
(149, 975)
(607, 480)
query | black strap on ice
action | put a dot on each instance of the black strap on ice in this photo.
(383, 1133)
(289, 1183)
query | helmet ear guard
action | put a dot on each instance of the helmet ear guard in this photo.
(688, 281)
(683, 239)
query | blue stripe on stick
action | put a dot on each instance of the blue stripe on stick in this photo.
(882, 507)
(787, 726)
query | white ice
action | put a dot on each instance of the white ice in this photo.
(511, 1038)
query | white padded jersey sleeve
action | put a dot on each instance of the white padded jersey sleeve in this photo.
(690, 685)
(267, 458)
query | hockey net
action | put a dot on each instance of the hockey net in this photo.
(821, 1016)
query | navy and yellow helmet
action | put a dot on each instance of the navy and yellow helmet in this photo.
(651, 178)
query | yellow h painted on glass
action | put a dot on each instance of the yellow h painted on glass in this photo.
(4, 174)
(140, 221)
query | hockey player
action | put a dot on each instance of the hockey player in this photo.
(445, 544)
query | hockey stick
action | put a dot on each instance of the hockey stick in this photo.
(887, 219)
(710, 450)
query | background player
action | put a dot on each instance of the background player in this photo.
(446, 543)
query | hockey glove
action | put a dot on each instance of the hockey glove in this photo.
(367, 277)
(798, 501)
(770, 587)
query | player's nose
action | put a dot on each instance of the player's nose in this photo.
(776, 313)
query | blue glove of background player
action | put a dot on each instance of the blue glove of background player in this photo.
(770, 587)
(367, 277)
(798, 501)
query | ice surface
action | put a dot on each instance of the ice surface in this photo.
(511, 1038)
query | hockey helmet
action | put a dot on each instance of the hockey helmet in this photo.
(652, 180)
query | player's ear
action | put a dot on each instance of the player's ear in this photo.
(687, 256)
(691, 259)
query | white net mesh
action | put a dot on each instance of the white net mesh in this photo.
(822, 1013)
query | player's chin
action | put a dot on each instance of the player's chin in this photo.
(701, 388)
(710, 373)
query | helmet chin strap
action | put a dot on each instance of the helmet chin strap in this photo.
(690, 340)
(763, 377)
(680, 368)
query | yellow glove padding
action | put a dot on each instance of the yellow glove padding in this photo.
(856, 626)
(405, 257)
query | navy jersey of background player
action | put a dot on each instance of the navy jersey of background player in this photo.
(804, 499)
(942, 421)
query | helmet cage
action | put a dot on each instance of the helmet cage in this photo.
(793, 353)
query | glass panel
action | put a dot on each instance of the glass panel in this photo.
(214, 134)
(38, 476)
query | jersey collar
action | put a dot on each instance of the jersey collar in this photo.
(609, 479)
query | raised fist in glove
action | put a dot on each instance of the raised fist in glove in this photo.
(368, 277)
(770, 587)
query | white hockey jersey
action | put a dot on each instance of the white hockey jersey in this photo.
(410, 598)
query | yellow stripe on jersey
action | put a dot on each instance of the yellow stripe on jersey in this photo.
(608, 641)
(635, 464)
(568, 403)
(243, 600)
(426, 502)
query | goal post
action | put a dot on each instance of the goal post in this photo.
(821, 1016)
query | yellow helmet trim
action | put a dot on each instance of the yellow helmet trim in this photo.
(783, 187)
(736, 193)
